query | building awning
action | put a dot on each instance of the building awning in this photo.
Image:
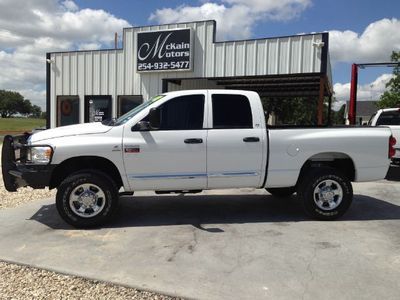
(280, 86)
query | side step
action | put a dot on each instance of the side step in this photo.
(179, 192)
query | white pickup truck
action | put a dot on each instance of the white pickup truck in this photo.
(389, 117)
(189, 141)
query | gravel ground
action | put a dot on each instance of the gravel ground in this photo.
(22, 282)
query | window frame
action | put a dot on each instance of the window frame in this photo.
(211, 112)
(382, 116)
(58, 99)
(86, 106)
(204, 127)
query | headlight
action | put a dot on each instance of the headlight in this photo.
(40, 155)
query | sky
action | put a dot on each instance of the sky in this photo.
(360, 31)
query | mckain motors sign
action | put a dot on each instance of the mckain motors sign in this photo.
(164, 50)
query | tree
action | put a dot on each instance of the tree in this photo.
(25, 107)
(12, 103)
(36, 111)
(391, 97)
(294, 111)
(338, 117)
(43, 115)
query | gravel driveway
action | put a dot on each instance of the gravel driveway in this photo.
(22, 282)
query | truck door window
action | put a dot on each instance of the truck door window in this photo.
(183, 113)
(231, 111)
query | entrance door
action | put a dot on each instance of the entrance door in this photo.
(234, 143)
(97, 108)
(174, 156)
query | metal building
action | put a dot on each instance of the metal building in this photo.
(87, 86)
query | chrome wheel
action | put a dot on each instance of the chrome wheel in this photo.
(328, 194)
(87, 200)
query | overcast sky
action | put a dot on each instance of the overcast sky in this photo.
(360, 31)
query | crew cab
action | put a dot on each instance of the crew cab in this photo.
(188, 141)
(389, 117)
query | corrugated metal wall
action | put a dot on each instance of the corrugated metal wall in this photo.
(113, 72)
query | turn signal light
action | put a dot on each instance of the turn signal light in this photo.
(392, 150)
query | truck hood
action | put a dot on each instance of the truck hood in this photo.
(79, 129)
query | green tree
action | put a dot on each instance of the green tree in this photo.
(338, 117)
(294, 111)
(25, 107)
(36, 111)
(391, 97)
(43, 115)
(12, 103)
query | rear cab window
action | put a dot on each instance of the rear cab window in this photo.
(389, 118)
(231, 111)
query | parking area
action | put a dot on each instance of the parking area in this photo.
(223, 244)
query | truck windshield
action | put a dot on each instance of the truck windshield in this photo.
(389, 118)
(130, 114)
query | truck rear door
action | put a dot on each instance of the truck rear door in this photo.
(234, 142)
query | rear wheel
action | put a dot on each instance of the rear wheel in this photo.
(281, 192)
(326, 193)
(87, 199)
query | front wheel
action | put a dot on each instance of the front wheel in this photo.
(87, 199)
(326, 193)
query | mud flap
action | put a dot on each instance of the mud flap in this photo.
(394, 173)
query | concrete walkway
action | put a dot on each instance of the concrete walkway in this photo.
(239, 245)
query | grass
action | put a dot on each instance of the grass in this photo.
(19, 125)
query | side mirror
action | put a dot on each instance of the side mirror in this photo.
(141, 126)
(155, 118)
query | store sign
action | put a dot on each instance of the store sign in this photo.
(164, 50)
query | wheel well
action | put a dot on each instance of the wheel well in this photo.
(339, 161)
(75, 164)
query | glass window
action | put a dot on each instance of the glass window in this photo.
(67, 110)
(125, 118)
(183, 113)
(231, 111)
(127, 103)
(389, 118)
(97, 108)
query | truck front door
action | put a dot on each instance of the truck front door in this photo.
(174, 156)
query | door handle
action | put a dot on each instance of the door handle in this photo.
(251, 139)
(193, 141)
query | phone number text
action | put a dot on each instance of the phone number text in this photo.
(163, 66)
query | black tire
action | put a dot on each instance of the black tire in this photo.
(94, 179)
(319, 179)
(282, 192)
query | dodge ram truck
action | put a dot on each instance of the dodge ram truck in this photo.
(389, 117)
(189, 141)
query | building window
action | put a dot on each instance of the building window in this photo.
(183, 113)
(97, 108)
(67, 110)
(127, 103)
(231, 111)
